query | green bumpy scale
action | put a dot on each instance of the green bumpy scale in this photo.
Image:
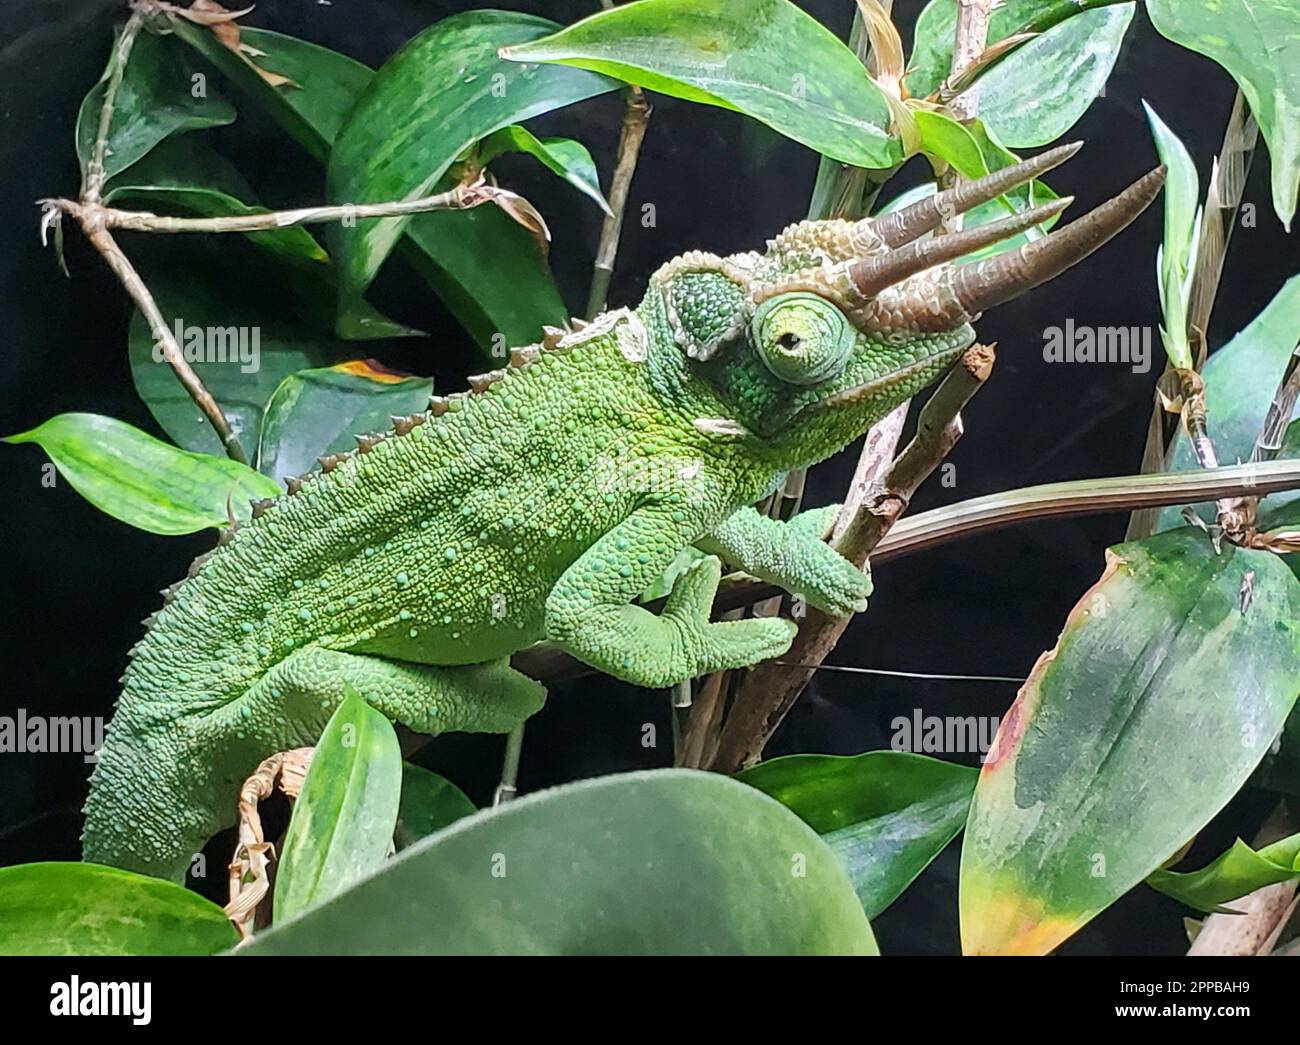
(538, 506)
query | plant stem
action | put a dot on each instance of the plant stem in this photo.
(636, 114)
(103, 241)
(89, 214)
(92, 186)
(459, 198)
(509, 786)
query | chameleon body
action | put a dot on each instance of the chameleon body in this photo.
(539, 505)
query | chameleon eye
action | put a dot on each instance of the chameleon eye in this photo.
(801, 338)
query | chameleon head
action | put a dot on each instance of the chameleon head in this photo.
(812, 342)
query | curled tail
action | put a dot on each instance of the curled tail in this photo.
(165, 783)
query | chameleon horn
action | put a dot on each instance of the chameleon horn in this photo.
(907, 224)
(983, 284)
(873, 274)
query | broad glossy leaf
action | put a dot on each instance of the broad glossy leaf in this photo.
(75, 909)
(885, 814)
(482, 265)
(1176, 257)
(562, 156)
(1170, 681)
(155, 100)
(186, 176)
(143, 481)
(443, 91)
(328, 82)
(1239, 871)
(318, 411)
(1258, 42)
(429, 803)
(1240, 379)
(764, 58)
(343, 820)
(1038, 92)
(663, 862)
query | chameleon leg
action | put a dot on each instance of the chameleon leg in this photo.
(161, 790)
(589, 610)
(793, 555)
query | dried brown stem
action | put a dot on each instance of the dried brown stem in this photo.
(92, 186)
(103, 241)
(461, 197)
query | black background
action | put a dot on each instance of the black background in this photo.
(76, 583)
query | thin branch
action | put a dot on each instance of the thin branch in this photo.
(771, 689)
(509, 786)
(92, 186)
(92, 190)
(462, 197)
(636, 114)
(103, 241)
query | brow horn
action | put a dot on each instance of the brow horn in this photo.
(982, 284)
(873, 274)
(905, 225)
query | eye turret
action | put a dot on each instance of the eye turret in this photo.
(802, 339)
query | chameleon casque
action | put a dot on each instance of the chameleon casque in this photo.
(544, 501)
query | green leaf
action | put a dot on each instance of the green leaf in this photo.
(563, 156)
(443, 91)
(1176, 256)
(429, 803)
(187, 176)
(1240, 379)
(343, 820)
(1239, 871)
(945, 138)
(764, 58)
(143, 481)
(662, 862)
(1258, 43)
(155, 101)
(1170, 681)
(328, 82)
(483, 265)
(885, 814)
(1039, 91)
(74, 909)
(318, 411)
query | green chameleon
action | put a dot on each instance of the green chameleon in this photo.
(544, 501)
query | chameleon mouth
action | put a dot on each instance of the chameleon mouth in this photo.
(883, 385)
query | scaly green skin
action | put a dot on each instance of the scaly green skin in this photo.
(539, 507)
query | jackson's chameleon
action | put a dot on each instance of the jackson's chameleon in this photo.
(541, 503)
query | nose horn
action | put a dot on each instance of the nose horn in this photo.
(983, 284)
